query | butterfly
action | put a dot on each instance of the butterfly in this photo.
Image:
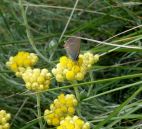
(72, 47)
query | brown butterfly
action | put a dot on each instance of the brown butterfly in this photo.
(72, 47)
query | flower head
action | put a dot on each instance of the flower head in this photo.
(36, 79)
(73, 123)
(4, 118)
(67, 69)
(63, 106)
(21, 61)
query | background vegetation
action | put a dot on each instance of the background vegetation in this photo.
(111, 92)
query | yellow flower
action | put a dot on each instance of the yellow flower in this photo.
(4, 118)
(59, 78)
(21, 62)
(63, 60)
(76, 68)
(70, 75)
(55, 121)
(80, 76)
(36, 79)
(70, 70)
(71, 110)
(14, 67)
(73, 123)
(63, 106)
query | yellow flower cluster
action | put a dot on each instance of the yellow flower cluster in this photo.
(62, 107)
(4, 118)
(37, 79)
(21, 61)
(73, 123)
(74, 70)
(89, 59)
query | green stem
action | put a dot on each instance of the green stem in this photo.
(66, 26)
(78, 98)
(39, 111)
(29, 35)
(118, 109)
(91, 87)
(85, 84)
(77, 93)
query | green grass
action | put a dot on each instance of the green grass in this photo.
(110, 94)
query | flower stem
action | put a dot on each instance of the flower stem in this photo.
(91, 87)
(78, 98)
(39, 111)
(77, 93)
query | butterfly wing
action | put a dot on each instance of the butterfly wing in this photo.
(72, 47)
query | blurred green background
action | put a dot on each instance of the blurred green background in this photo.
(115, 22)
